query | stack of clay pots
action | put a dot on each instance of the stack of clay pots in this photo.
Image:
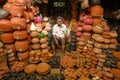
(34, 57)
(11, 57)
(17, 26)
(74, 10)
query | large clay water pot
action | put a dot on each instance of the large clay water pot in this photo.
(20, 2)
(17, 10)
(97, 10)
(5, 25)
(18, 23)
(7, 6)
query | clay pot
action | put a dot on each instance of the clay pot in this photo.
(7, 38)
(21, 46)
(97, 21)
(10, 1)
(10, 46)
(30, 68)
(20, 35)
(97, 10)
(74, 14)
(17, 10)
(23, 55)
(7, 6)
(35, 46)
(18, 23)
(31, 16)
(26, 16)
(5, 25)
(20, 2)
(43, 68)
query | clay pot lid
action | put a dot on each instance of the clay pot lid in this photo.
(42, 67)
(30, 68)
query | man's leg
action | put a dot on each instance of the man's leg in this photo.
(63, 46)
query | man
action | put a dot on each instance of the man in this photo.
(59, 34)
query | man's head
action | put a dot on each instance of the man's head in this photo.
(59, 20)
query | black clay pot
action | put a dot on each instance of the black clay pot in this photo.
(3, 14)
(108, 64)
(118, 39)
(118, 31)
(114, 66)
(72, 33)
(73, 40)
(118, 48)
(114, 62)
(72, 44)
(73, 37)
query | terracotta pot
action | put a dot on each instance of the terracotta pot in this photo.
(35, 46)
(31, 16)
(20, 2)
(10, 1)
(35, 40)
(29, 39)
(5, 25)
(7, 38)
(34, 10)
(74, 14)
(97, 10)
(26, 16)
(10, 46)
(17, 10)
(23, 55)
(20, 35)
(21, 46)
(74, 6)
(18, 23)
(7, 6)
(97, 21)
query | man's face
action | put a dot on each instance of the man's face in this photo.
(59, 22)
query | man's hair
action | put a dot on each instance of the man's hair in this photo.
(59, 17)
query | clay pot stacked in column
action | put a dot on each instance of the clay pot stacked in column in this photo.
(46, 55)
(7, 35)
(96, 11)
(34, 57)
(74, 10)
(11, 57)
(22, 13)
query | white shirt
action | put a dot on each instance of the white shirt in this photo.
(59, 31)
